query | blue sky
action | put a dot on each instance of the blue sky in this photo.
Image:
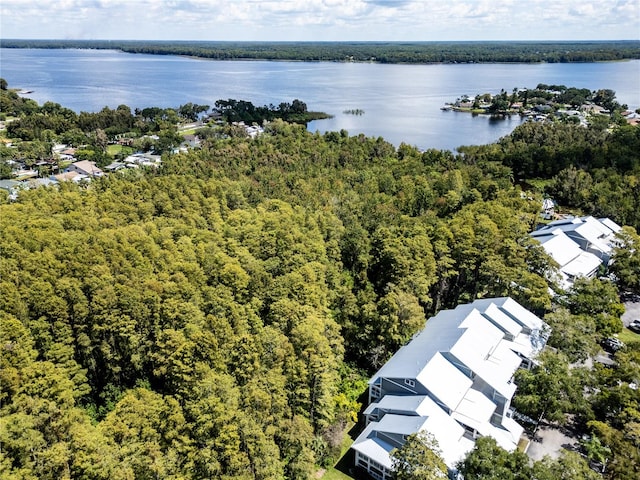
(296, 20)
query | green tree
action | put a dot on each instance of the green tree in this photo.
(598, 299)
(569, 466)
(573, 335)
(487, 461)
(626, 260)
(550, 390)
(499, 103)
(418, 459)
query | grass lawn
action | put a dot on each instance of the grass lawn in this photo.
(114, 149)
(335, 474)
(627, 336)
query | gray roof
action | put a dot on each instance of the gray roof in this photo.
(9, 184)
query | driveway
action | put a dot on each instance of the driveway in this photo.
(632, 309)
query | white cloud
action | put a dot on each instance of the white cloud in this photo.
(321, 19)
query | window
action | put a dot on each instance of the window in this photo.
(375, 391)
(410, 382)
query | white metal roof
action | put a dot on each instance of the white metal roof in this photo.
(513, 309)
(445, 381)
(368, 444)
(475, 408)
(501, 320)
(599, 233)
(449, 434)
(558, 245)
(407, 404)
(480, 338)
(411, 359)
(610, 224)
(584, 265)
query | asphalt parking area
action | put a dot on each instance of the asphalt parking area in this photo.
(550, 441)
(632, 309)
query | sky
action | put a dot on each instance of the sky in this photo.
(321, 20)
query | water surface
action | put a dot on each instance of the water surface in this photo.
(401, 102)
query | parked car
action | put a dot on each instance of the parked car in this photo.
(635, 326)
(612, 344)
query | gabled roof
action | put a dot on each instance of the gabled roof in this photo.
(533, 333)
(87, 167)
(557, 245)
(584, 265)
(411, 359)
(470, 338)
(610, 224)
(448, 432)
(417, 405)
(462, 358)
(9, 184)
(511, 308)
(598, 232)
(444, 381)
(66, 176)
(574, 262)
(501, 319)
(475, 409)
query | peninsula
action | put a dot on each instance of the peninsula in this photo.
(578, 105)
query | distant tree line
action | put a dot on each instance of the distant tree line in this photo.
(381, 52)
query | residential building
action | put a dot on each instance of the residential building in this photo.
(85, 167)
(191, 141)
(454, 379)
(573, 262)
(12, 187)
(548, 209)
(596, 236)
(579, 245)
(70, 177)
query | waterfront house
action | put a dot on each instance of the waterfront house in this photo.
(454, 379)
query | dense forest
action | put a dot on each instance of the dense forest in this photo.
(218, 317)
(382, 52)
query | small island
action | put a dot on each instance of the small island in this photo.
(243, 111)
(354, 111)
(559, 101)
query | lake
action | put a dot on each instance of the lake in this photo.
(401, 103)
